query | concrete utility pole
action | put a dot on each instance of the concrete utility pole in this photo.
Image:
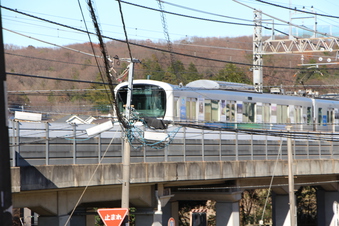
(5, 169)
(127, 145)
(257, 52)
(293, 213)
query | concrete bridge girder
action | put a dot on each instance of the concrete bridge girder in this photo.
(47, 189)
(62, 202)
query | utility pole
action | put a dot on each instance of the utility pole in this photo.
(127, 145)
(257, 52)
(5, 169)
(293, 214)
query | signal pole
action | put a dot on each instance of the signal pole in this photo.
(5, 169)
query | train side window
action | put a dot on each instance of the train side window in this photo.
(297, 114)
(248, 113)
(191, 108)
(208, 110)
(330, 115)
(282, 113)
(215, 110)
(320, 116)
(230, 111)
(266, 113)
(309, 115)
(188, 109)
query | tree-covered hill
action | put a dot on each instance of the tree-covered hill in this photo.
(194, 58)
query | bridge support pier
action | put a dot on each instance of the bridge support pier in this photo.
(227, 213)
(280, 210)
(327, 207)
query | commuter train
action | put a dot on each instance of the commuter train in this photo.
(225, 103)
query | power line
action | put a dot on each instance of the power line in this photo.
(58, 79)
(64, 47)
(153, 48)
(205, 12)
(50, 60)
(298, 10)
(187, 16)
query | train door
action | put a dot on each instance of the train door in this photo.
(211, 110)
(248, 114)
(291, 114)
(273, 113)
(259, 113)
(201, 116)
(298, 116)
(336, 118)
(330, 118)
(191, 109)
(239, 111)
(215, 117)
(266, 113)
(208, 111)
(231, 111)
(320, 116)
(282, 114)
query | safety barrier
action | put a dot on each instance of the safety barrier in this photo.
(61, 143)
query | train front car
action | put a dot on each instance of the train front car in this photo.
(150, 99)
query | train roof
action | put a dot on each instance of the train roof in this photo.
(211, 84)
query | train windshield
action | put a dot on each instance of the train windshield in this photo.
(147, 100)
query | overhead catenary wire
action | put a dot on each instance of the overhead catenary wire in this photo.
(53, 44)
(287, 22)
(298, 10)
(156, 48)
(58, 79)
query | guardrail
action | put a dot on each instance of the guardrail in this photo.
(61, 143)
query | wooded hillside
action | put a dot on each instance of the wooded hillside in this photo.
(64, 63)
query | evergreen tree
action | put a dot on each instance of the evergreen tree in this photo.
(231, 73)
(192, 73)
(153, 69)
(176, 73)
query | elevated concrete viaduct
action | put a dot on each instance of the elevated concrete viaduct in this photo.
(54, 190)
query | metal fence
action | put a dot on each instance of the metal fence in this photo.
(61, 143)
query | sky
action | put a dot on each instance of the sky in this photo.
(143, 24)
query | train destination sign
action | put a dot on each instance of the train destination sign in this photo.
(113, 217)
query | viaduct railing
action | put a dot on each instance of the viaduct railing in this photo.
(61, 143)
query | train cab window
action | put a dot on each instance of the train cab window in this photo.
(148, 100)
(320, 116)
(248, 114)
(230, 111)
